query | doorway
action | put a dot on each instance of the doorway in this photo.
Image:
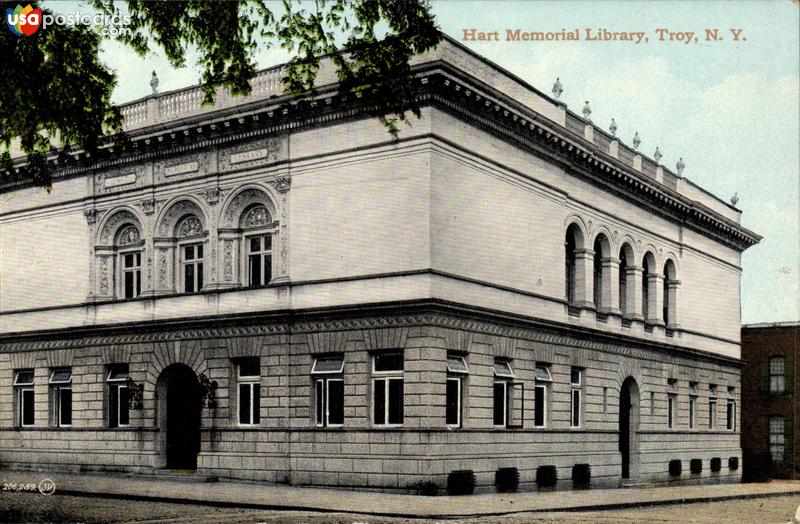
(180, 411)
(628, 427)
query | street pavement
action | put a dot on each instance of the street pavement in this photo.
(290, 498)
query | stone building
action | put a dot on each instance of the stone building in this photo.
(769, 392)
(255, 291)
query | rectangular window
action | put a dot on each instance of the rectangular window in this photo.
(387, 389)
(457, 371)
(730, 411)
(259, 260)
(118, 403)
(61, 396)
(692, 404)
(777, 439)
(192, 261)
(575, 408)
(329, 390)
(248, 378)
(131, 274)
(540, 406)
(542, 384)
(576, 380)
(453, 402)
(777, 375)
(712, 406)
(671, 410)
(503, 375)
(500, 403)
(672, 402)
(23, 389)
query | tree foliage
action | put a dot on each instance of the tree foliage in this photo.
(56, 86)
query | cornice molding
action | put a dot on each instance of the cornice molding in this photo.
(505, 333)
(446, 87)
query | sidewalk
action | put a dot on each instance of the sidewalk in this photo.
(258, 496)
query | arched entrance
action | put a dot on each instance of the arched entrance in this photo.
(179, 410)
(628, 428)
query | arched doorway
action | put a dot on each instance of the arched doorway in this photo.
(180, 404)
(628, 428)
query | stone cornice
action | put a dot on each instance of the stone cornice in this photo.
(428, 312)
(460, 95)
(443, 86)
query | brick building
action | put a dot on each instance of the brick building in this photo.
(769, 398)
(263, 293)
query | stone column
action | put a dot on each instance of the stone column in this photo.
(610, 285)
(633, 290)
(584, 278)
(672, 286)
(655, 300)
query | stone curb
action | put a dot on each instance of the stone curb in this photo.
(311, 508)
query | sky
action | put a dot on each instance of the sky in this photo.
(730, 108)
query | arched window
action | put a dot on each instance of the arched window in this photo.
(623, 279)
(256, 225)
(602, 288)
(645, 292)
(572, 266)
(129, 250)
(190, 254)
(569, 270)
(670, 294)
(598, 274)
(648, 293)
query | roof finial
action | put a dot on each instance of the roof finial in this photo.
(587, 112)
(557, 88)
(613, 128)
(636, 140)
(657, 155)
(680, 165)
(735, 199)
(154, 83)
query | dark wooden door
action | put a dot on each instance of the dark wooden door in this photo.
(183, 420)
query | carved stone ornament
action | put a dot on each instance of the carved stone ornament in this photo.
(90, 215)
(282, 184)
(587, 111)
(103, 275)
(680, 166)
(174, 213)
(148, 205)
(257, 217)
(190, 227)
(657, 155)
(117, 220)
(636, 140)
(128, 236)
(211, 195)
(233, 212)
(613, 128)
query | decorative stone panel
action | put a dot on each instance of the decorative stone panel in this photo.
(61, 358)
(579, 358)
(23, 360)
(387, 338)
(253, 154)
(245, 346)
(456, 340)
(504, 347)
(327, 342)
(116, 353)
